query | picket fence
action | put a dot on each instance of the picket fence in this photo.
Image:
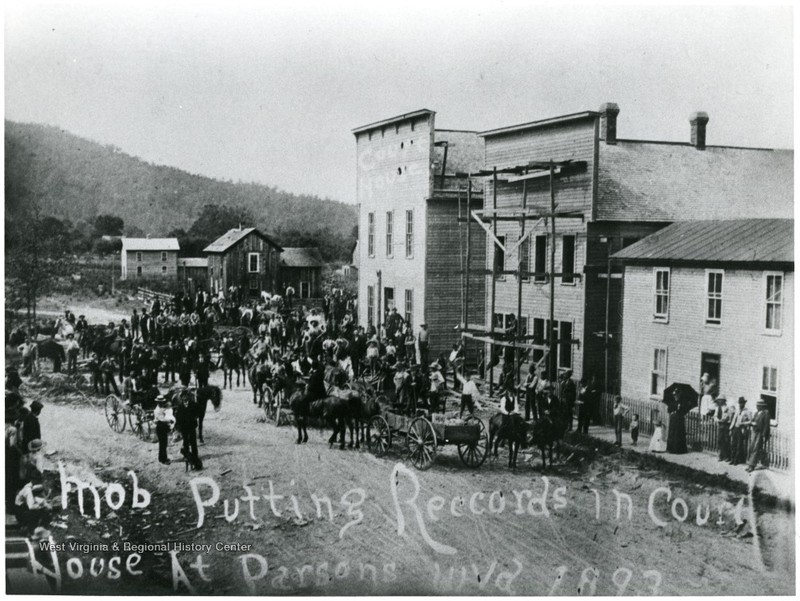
(145, 294)
(701, 430)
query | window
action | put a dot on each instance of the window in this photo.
(769, 390)
(524, 251)
(538, 338)
(253, 263)
(138, 257)
(370, 304)
(499, 258)
(540, 259)
(163, 257)
(774, 302)
(409, 234)
(409, 306)
(714, 297)
(163, 270)
(389, 232)
(371, 234)
(565, 347)
(253, 284)
(658, 376)
(661, 308)
(567, 259)
(139, 270)
(305, 289)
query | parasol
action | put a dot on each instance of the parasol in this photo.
(680, 397)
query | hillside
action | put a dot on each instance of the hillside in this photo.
(77, 179)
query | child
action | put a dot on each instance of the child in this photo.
(635, 428)
(619, 419)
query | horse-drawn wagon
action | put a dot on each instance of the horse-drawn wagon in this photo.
(136, 413)
(424, 436)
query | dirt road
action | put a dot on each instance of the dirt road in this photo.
(310, 520)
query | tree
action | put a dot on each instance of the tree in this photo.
(215, 220)
(37, 250)
(108, 225)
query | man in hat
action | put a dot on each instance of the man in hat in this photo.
(31, 507)
(568, 396)
(32, 463)
(759, 436)
(722, 417)
(740, 428)
(437, 387)
(469, 393)
(31, 429)
(164, 423)
(14, 407)
(73, 349)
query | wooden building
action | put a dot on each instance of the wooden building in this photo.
(301, 268)
(149, 258)
(193, 273)
(609, 193)
(712, 297)
(246, 258)
(410, 198)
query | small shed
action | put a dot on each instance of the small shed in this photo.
(301, 268)
(193, 273)
(246, 259)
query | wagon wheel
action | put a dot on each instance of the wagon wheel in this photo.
(142, 426)
(473, 454)
(115, 414)
(421, 442)
(379, 436)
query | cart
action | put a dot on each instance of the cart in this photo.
(424, 436)
(137, 413)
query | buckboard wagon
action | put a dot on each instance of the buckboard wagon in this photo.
(424, 436)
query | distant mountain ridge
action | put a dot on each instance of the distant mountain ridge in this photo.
(77, 179)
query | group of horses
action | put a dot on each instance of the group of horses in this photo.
(516, 433)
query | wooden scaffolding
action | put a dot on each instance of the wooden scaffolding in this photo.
(487, 218)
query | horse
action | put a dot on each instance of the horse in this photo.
(343, 411)
(259, 375)
(231, 361)
(548, 431)
(515, 433)
(197, 401)
(50, 349)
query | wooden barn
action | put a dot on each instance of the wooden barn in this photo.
(301, 268)
(244, 258)
(193, 273)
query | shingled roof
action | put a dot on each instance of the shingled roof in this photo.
(301, 257)
(152, 244)
(654, 181)
(233, 237)
(757, 241)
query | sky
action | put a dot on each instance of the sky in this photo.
(269, 92)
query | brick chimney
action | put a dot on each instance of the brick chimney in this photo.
(699, 122)
(608, 122)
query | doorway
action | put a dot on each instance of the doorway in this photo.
(388, 301)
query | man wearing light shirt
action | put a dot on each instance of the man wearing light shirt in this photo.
(165, 420)
(469, 393)
(740, 428)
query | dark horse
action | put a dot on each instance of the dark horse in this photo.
(259, 375)
(197, 402)
(231, 361)
(549, 430)
(514, 432)
(340, 412)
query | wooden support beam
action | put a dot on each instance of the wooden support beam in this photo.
(499, 342)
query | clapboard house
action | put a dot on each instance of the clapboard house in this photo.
(410, 190)
(608, 192)
(713, 297)
(149, 258)
(244, 258)
(301, 268)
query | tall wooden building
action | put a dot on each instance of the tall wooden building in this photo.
(615, 192)
(149, 258)
(411, 188)
(246, 258)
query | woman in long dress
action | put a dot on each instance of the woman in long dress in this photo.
(676, 437)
